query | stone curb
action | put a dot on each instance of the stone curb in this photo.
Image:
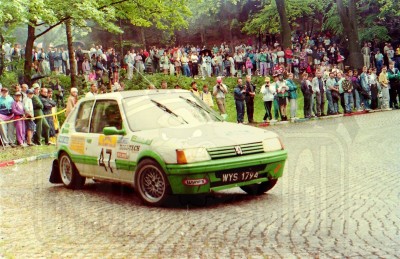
(27, 159)
(318, 118)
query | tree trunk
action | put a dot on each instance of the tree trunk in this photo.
(1, 53)
(28, 53)
(121, 45)
(285, 28)
(348, 17)
(143, 36)
(71, 52)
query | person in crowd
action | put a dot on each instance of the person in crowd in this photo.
(194, 89)
(185, 65)
(86, 68)
(64, 61)
(292, 95)
(340, 78)
(206, 96)
(268, 91)
(373, 84)
(115, 70)
(239, 95)
(30, 125)
(249, 66)
(93, 90)
(6, 114)
(330, 85)
(249, 98)
(48, 105)
(17, 108)
(42, 127)
(319, 91)
(165, 63)
(378, 61)
(394, 82)
(194, 58)
(365, 91)
(164, 84)
(347, 87)
(356, 90)
(282, 93)
(306, 89)
(384, 83)
(72, 100)
(366, 52)
(59, 93)
(219, 91)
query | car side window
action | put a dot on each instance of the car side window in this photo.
(83, 117)
(106, 113)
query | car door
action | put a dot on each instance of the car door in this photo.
(78, 132)
(102, 148)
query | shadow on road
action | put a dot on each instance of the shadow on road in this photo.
(116, 193)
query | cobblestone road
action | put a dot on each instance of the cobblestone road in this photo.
(339, 197)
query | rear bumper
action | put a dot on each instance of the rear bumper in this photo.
(206, 175)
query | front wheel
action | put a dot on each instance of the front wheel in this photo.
(259, 188)
(69, 173)
(151, 183)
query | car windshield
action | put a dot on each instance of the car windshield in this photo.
(166, 110)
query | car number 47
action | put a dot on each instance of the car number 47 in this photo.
(101, 159)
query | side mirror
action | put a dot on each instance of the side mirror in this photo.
(113, 131)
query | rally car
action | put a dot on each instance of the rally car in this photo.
(163, 142)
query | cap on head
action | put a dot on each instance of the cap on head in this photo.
(29, 91)
(74, 90)
(4, 89)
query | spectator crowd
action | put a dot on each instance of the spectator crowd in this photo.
(313, 65)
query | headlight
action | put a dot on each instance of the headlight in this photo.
(191, 155)
(272, 144)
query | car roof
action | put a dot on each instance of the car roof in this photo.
(134, 93)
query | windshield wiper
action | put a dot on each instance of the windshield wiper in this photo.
(199, 106)
(167, 110)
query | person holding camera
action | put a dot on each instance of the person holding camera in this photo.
(219, 91)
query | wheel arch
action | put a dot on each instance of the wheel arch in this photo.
(148, 154)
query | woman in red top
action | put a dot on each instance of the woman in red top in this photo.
(289, 59)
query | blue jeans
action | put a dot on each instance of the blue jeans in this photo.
(358, 102)
(186, 70)
(348, 101)
(330, 102)
(240, 110)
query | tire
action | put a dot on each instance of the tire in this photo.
(151, 183)
(259, 188)
(70, 176)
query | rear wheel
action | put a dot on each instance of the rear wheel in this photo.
(259, 188)
(151, 183)
(69, 173)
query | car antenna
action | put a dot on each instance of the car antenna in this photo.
(144, 76)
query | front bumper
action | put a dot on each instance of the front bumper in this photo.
(268, 165)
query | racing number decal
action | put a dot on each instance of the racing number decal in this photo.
(101, 159)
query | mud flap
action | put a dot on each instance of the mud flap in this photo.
(55, 176)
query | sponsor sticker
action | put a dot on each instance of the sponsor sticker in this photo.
(77, 144)
(141, 140)
(128, 147)
(63, 140)
(107, 141)
(195, 182)
(122, 155)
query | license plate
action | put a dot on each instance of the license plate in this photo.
(238, 177)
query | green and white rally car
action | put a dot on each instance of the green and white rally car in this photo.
(163, 142)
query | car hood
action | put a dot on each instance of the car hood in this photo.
(216, 134)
